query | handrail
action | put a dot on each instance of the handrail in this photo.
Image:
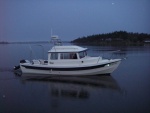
(107, 53)
(111, 52)
(98, 59)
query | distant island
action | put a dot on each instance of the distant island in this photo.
(4, 42)
(120, 38)
(31, 42)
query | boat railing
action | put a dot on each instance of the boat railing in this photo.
(39, 61)
(111, 53)
(110, 56)
(99, 58)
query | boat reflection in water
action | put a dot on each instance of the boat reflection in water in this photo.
(76, 87)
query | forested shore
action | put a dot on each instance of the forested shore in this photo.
(115, 38)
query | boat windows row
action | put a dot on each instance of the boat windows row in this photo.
(55, 56)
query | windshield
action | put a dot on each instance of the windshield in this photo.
(82, 54)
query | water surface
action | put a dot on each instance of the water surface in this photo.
(126, 90)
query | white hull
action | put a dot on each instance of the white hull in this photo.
(97, 69)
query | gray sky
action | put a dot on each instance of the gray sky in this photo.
(32, 20)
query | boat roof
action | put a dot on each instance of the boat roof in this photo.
(68, 48)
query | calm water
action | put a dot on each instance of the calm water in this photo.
(127, 90)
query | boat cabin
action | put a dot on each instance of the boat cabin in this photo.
(66, 53)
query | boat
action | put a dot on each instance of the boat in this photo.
(69, 60)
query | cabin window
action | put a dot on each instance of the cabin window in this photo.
(82, 54)
(68, 56)
(54, 56)
(73, 55)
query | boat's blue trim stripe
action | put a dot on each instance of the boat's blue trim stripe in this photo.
(67, 69)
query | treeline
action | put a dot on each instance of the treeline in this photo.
(32, 42)
(3, 42)
(114, 38)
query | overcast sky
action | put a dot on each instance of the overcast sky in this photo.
(32, 20)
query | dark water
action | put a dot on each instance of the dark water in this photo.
(127, 90)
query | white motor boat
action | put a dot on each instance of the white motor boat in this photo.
(69, 60)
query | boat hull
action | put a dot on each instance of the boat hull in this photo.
(98, 69)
